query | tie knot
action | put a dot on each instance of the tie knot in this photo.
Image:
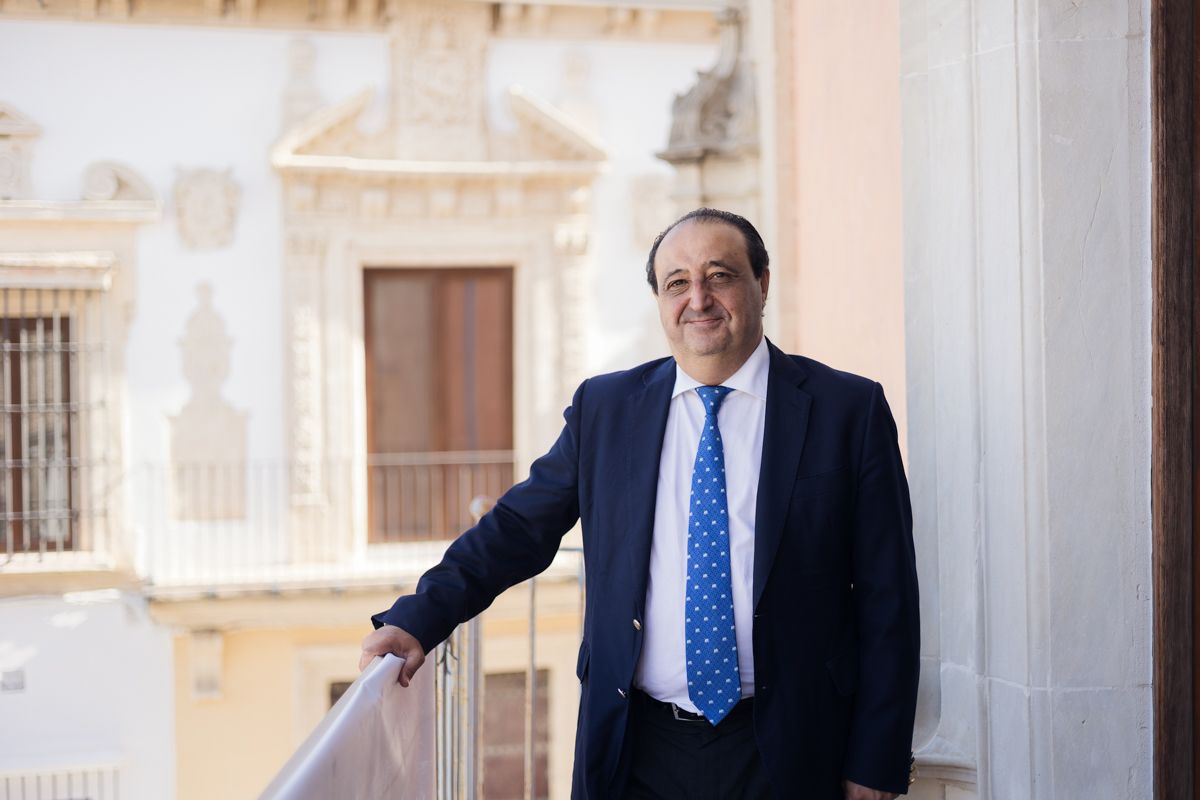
(712, 397)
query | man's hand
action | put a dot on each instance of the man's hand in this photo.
(855, 792)
(390, 639)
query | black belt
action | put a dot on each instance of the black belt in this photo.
(657, 706)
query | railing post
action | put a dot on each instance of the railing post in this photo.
(531, 695)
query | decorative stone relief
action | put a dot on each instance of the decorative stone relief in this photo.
(300, 96)
(438, 53)
(718, 114)
(714, 132)
(208, 436)
(205, 208)
(17, 136)
(305, 252)
(572, 242)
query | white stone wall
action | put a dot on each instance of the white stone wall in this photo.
(1027, 273)
(164, 100)
(97, 691)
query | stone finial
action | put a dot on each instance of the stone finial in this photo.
(300, 96)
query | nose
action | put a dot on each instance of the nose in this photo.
(699, 297)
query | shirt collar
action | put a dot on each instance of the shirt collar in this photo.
(750, 378)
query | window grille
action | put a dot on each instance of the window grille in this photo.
(52, 399)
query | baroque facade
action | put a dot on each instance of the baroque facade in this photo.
(955, 202)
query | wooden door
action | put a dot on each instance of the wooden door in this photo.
(439, 397)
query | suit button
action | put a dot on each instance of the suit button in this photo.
(637, 626)
(621, 692)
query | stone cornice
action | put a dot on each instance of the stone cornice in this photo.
(538, 114)
(652, 20)
(123, 212)
(87, 270)
(382, 167)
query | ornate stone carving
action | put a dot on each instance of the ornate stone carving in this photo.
(714, 132)
(17, 136)
(305, 255)
(208, 436)
(113, 181)
(437, 88)
(300, 96)
(205, 208)
(719, 114)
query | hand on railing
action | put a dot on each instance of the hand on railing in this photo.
(390, 639)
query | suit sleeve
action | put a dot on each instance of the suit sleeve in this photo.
(514, 541)
(886, 610)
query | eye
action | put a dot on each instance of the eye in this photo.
(675, 284)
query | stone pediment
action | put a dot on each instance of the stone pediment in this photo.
(546, 133)
(545, 141)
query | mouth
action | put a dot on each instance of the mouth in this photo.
(707, 322)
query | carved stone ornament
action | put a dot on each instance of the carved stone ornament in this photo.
(438, 53)
(300, 96)
(718, 115)
(113, 181)
(17, 136)
(206, 204)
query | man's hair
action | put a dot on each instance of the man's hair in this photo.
(756, 251)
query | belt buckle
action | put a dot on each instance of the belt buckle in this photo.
(675, 713)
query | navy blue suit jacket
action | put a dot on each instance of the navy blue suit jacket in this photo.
(836, 626)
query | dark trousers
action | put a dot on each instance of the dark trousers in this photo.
(670, 759)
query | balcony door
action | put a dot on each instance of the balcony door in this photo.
(439, 370)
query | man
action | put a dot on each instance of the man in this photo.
(751, 625)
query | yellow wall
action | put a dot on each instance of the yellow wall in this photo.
(275, 680)
(232, 746)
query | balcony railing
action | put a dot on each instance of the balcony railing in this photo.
(261, 524)
(273, 524)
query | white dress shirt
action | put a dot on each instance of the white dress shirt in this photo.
(662, 668)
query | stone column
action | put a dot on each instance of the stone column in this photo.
(1027, 273)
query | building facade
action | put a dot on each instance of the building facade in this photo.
(274, 319)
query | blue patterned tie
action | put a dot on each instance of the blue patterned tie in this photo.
(714, 683)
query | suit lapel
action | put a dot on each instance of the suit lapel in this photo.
(783, 440)
(646, 424)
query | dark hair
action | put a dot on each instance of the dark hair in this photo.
(756, 251)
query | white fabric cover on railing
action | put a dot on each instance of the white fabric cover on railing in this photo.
(376, 742)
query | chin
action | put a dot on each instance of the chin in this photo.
(707, 346)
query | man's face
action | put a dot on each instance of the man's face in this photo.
(709, 302)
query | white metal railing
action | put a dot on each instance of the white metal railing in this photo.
(94, 781)
(242, 524)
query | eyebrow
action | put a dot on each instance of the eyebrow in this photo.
(712, 262)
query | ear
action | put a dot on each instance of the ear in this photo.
(764, 282)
